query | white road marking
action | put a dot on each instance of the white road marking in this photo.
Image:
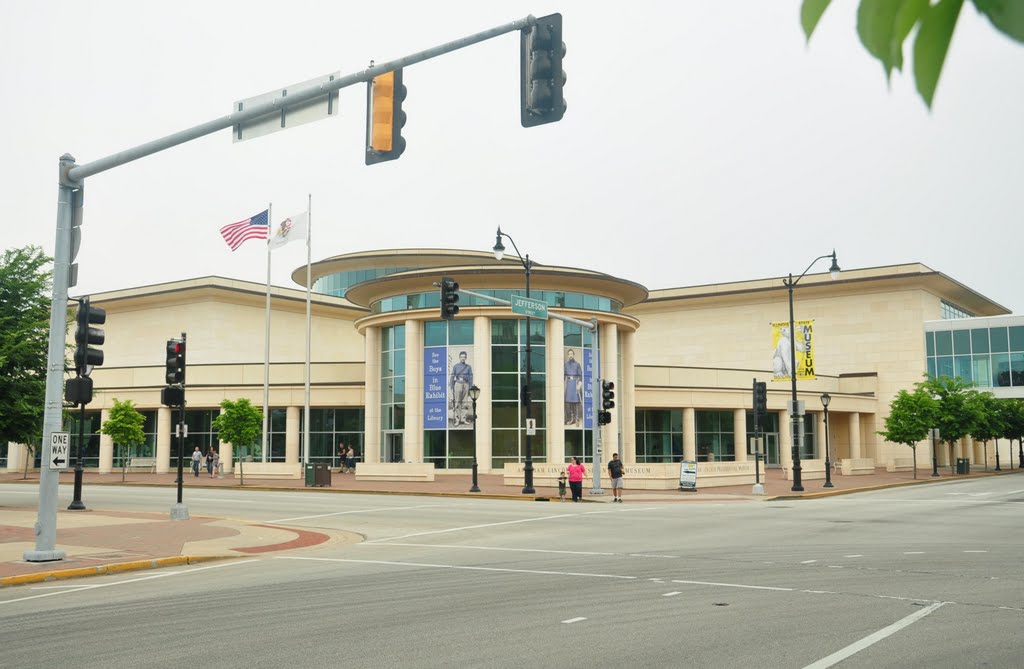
(835, 566)
(511, 522)
(344, 513)
(652, 556)
(735, 585)
(570, 621)
(1012, 492)
(672, 594)
(975, 551)
(913, 552)
(489, 548)
(460, 567)
(162, 574)
(854, 648)
(808, 562)
(853, 556)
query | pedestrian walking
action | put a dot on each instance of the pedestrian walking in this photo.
(616, 473)
(561, 486)
(215, 469)
(197, 458)
(209, 462)
(350, 460)
(342, 451)
(576, 473)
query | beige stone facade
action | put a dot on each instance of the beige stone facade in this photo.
(691, 353)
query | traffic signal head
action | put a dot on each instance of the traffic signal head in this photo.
(87, 357)
(607, 395)
(385, 118)
(541, 78)
(761, 398)
(175, 372)
(449, 298)
(604, 417)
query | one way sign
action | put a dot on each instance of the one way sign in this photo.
(60, 444)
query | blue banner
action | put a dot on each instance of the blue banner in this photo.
(435, 388)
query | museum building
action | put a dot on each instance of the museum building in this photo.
(391, 378)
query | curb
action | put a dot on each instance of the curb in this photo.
(99, 570)
(885, 486)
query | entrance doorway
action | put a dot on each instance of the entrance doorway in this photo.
(393, 451)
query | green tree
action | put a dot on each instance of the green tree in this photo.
(910, 417)
(1013, 424)
(240, 424)
(124, 427)
(988, 420)
(883, 26)
(956, 411)
(25, 282)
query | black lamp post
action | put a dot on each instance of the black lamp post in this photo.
(794, 414)
(825, 399)
(499, 252)
(474, 395)
(1020, 453)
(935, 454)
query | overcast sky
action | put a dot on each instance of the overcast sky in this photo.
(704, 142)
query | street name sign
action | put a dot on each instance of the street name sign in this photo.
(323, 106)
(60, 445)
(529, 307)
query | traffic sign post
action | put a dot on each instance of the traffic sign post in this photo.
(60, 447)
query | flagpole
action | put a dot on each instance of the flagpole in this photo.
(309, 287)
(266, 345)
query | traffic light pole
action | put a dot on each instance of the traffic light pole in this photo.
(595, 379)
(76, 503)
(71, 178)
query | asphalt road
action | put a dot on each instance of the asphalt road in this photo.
(927, 576)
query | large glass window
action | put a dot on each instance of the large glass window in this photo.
(770, 434)
(452, 448)
(202, 434)
(329, 428)
(508, 373)
(659, 435)
(716, 439)
(90, 437)
(392, 379)
(986, 357)
(147, 449)
(553, 298)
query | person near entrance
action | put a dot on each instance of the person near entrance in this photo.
(615, 472)
(576, 473)
(197, 457)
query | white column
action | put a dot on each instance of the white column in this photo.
(291, 435)
(555, 390)
(413, 437)
(689, 434)
(371, 396)
(482, 378)
(164, 432)
(819, 451)
(106, 464)
(17, 454)
(739, 428)
(855, 450)
(785, 439)
(627, 396)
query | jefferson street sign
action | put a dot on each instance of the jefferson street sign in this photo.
(529, 307)
(60, 444)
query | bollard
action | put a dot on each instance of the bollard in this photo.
(220, 467)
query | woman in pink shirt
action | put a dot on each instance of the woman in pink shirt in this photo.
(576, 473)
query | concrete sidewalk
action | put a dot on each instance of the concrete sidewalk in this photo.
(100, 541)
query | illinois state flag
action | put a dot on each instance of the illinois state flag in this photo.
(290, 229)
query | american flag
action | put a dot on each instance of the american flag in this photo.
(255, 227)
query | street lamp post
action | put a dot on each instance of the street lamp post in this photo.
(794, 413)
(934, 432)
(499, 252)
(474, 395)
(825, 399)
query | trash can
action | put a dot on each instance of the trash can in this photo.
(963, 466)
(310, 476)
(322, 476)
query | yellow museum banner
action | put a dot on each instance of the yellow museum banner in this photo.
(781, 356)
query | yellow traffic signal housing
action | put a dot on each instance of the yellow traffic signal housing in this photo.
(385, 118)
